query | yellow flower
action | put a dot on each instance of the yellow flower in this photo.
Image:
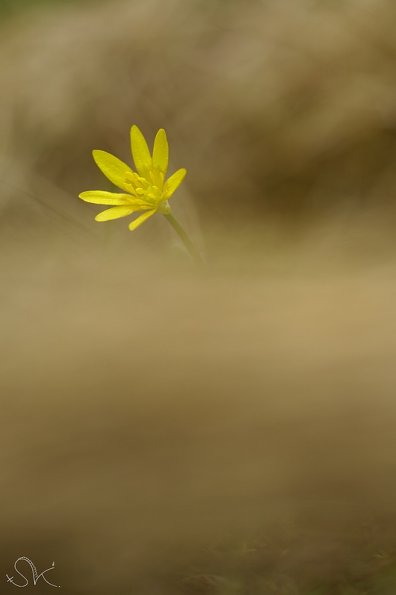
(146, 190)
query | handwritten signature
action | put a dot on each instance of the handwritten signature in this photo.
(35, 575)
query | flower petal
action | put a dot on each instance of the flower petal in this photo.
(115, 213)
(137, 222)
(140, 151)
(161, 151)
(100, 197)
(174, 182)
(113, 168)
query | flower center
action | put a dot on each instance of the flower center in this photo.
(149, 188)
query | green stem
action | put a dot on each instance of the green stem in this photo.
(184, 237)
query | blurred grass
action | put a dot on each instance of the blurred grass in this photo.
(9, 8)
(244, 568)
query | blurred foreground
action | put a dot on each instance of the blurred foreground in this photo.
(171, 430)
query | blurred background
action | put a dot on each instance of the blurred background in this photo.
(283, 113)
(226, 430)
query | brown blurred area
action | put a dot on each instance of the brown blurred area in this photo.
(281, 111)
(223, 430)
